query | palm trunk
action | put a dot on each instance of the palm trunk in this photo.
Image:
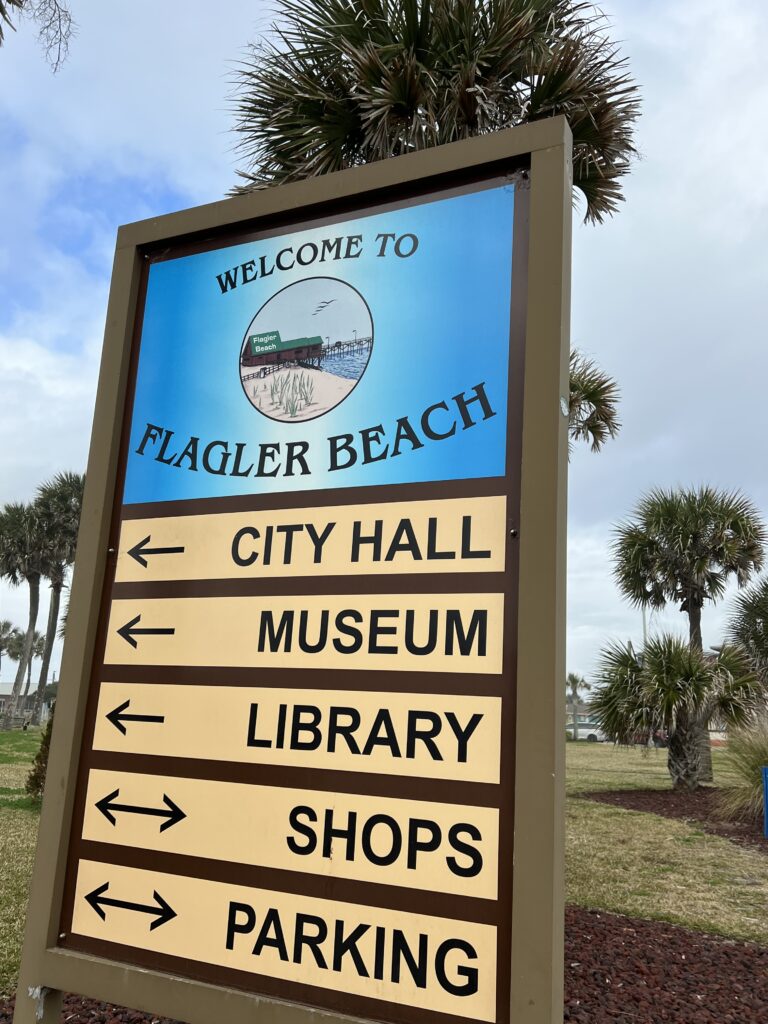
(684, 756)
(700, 729)
(50, 637)
(34, 605)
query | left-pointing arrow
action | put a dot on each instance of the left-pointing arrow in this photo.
(161, 910)
(131, 630)
(171, 812)
(119, 715)
(140, 551)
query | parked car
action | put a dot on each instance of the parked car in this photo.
(587, 730)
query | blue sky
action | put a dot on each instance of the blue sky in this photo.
(668, 296)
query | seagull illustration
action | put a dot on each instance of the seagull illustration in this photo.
(322, 306)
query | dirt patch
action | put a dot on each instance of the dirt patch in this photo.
(625, 971)
(77, 1010)
(618, 970)
(700, 807)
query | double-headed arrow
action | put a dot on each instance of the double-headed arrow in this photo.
(140, 551)
(117, 716)
(161, 910)
(131, 630)
(171, 812)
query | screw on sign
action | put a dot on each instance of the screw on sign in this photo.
(322, 646)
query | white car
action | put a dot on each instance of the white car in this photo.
(587, 731)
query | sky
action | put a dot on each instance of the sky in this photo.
(668, 296)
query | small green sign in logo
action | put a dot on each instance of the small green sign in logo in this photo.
(261, 343)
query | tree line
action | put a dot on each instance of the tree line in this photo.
(37, 542)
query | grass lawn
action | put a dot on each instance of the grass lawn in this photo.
(647, 866)
(616, 860)
(18, 830)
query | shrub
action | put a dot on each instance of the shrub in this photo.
(745, 755)
(35, 783)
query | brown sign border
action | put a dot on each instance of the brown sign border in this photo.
(533, 973)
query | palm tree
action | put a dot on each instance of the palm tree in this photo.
(59, 503)
(22, 544)
(347, 82)
(671, 686)
(14, 643)
(38, 646)
(684, 546)
(593, 403)
(7, 630)
(748, 625)
(574, 685)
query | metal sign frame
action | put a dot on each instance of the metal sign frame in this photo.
(536, 980)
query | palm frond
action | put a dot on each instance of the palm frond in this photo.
(344, 82)
(593, 403)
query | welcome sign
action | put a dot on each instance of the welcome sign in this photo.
(296, 775)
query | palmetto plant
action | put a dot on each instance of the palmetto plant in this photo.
(593, 403)
(671, 686)
(346, 82)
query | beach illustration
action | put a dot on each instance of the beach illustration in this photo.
(306, 349)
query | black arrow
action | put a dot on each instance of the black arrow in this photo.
(116, 717)
(128, 631)
(171, 812)
(162, 911)
(140, 551)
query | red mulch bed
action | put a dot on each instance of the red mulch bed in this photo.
(618, 970)
(699, 807)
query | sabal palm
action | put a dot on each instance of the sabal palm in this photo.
(684, 546)
(347, 82)
(59, 503)
(14, 643)
(21, 560)
(669, 685)
(38, 647)
(7, 630)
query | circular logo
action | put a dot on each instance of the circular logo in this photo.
(306, 349)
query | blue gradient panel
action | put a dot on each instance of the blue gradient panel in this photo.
(441, 322)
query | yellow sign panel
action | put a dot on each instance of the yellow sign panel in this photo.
(434, 846)
(433, 963)
(416, 633)
(435, 736)
(448, 535)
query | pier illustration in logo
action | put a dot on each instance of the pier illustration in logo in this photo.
(306, 349)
